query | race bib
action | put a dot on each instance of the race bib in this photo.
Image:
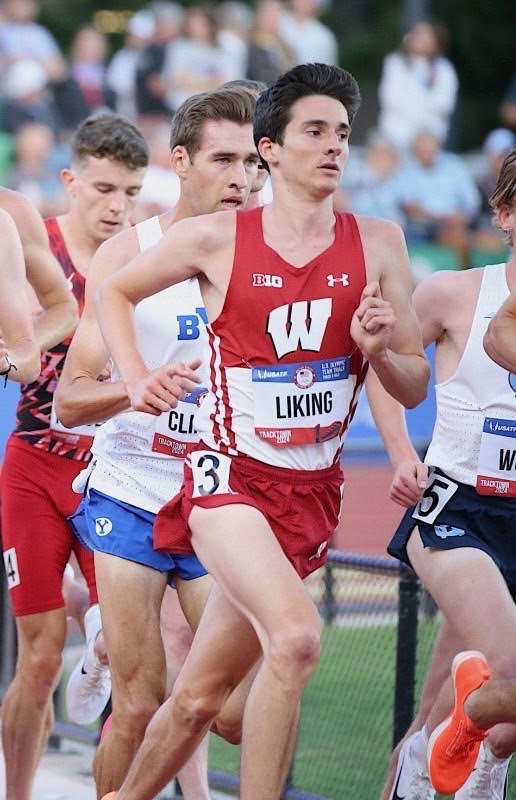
(496, 473)
(81, 436)
(305, 403)
(210, 473)
(175, 432)
(438, 491)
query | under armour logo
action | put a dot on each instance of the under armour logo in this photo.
(103, 526)
(320, 550)
(332, 280)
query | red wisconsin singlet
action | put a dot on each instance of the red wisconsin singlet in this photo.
(285, 373)
(36, 421)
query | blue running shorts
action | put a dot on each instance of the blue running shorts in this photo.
(111, 526)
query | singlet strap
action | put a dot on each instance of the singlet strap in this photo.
(149, 233)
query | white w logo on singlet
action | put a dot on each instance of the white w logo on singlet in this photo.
(299, 324)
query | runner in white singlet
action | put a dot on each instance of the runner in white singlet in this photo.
(138, 458)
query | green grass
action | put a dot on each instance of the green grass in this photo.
(346, 717)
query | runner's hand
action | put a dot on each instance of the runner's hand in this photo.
(373, 322)
(409, 483)
(159, 390)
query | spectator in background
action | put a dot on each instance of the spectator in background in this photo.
(151, 103)
(195, 63)
(27, 98)
(22, 37)
(234, 20)
(508, 106)
(418, 87)
(88, 56)
(269, 54)
(36, 170)
(160, 188)
(496, 146)
(305, 34)
(373, 183)
(121, 70)
(438, 197)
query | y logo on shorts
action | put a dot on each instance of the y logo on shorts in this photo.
(444, 531)
(103, 526)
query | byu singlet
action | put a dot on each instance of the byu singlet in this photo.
(138, 458)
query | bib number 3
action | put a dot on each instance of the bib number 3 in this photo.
(437, 493)
(210, 473)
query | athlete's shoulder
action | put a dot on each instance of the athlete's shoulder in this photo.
(124, 243)
(11, 200)
(209, 231)
(21, 209)
(376, 230)
(447, 289)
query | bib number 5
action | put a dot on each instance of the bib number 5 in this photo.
(210, 473)
(437, 493)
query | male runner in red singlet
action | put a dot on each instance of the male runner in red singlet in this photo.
(109, 156)
(293, 294)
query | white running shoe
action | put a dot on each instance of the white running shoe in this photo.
(89, 686)
(488, 781)
(411, 781)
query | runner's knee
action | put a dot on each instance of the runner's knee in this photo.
(40, 671)
(294, 652)
(196, 712)
(228, 728)
(131, 717)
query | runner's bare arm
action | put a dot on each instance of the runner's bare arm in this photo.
(385, 326)
(81, 397)
(500, 337)
(18, 345)
(188, 248)
(430, 301)
(60, 313)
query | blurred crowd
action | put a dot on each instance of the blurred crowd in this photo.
(403, 171)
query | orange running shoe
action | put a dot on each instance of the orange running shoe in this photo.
(453, 746)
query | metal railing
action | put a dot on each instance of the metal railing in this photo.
(402, 604)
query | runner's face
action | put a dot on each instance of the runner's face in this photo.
(222, 172)
(315, 145)
(103, 195)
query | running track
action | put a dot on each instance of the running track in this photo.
(369, 518)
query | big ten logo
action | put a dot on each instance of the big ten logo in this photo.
(189, 324)
(260, 279)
